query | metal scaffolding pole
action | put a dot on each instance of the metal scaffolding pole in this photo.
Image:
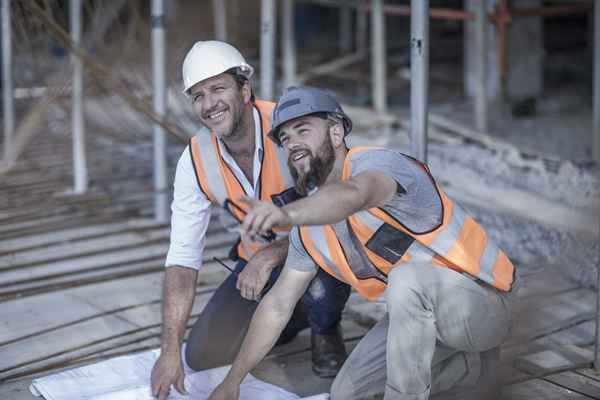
(288, 45)
(220, 19)
(419, 76)
(7, 81)
(481, 112)
(596, 122)
(80, 174)
(378, 56)
(267, 49)
(597, 346)
(596, 154)
(345, 22)
(159, 103)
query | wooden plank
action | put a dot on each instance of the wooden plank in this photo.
(46, 345)
(538, 389)
(577, 383)
(589, 373)
(17, 390)
(557, 359)
(33, 314)
(87, 253)
(65, 251)
(25, 243)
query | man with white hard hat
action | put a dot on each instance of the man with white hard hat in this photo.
(230, 158)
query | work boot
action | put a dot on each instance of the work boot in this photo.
(328, 352)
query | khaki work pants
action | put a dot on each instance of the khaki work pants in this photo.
(442, 331)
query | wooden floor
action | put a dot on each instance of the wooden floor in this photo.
(80, 281)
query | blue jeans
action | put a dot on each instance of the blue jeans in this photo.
(221, 327)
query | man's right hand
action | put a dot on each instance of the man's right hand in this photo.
(255, 275)
(167, 371)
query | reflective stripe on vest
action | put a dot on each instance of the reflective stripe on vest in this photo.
(218, 182)
(322, 245)
(458, 243)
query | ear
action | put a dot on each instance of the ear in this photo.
(336, 133)
(246, 92)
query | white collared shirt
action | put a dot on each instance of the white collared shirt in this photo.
(190, 210)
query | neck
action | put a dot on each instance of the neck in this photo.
(242, 142)
(338, 165)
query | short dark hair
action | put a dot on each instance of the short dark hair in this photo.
(241, 80)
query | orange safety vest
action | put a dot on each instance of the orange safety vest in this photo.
(458, 242)
(219, 183)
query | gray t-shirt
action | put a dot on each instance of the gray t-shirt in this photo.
(416, 205)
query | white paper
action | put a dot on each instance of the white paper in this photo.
(128, 378)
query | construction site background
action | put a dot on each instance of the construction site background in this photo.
(530, 178)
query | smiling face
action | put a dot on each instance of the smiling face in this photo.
(309, 151)
(219, 103)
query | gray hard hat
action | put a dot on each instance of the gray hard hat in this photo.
(299, 101)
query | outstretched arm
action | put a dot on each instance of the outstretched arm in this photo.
(271, 316)
(332, 203)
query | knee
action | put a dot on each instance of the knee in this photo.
(327, 291)
(316, 291)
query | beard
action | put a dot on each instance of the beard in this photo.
(320, 164)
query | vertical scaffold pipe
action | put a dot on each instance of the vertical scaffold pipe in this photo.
(481, 27)
(419, 76)
(7, 82)
(220, 19)
(596, 122)
(267, 49)
(288, 45)
(378, 59)
(80, 173)
(159, 105)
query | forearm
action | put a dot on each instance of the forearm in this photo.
(332, 203)
(178, 298)
(266, 325)
(275, 253)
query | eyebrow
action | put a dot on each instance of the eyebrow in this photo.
(210, 86)
(299, 124)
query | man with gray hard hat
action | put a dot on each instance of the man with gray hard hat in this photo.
(231, 157)
(378, 220)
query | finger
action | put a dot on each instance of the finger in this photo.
(268, 224)
(239, 283)
(247, 223)
(260, 223)
(154, 386)
(180, 384)
(163, 393)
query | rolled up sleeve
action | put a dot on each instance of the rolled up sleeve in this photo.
(189, 219)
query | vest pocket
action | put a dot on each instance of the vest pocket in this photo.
(389, 243)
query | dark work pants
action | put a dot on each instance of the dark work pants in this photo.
(220, 329)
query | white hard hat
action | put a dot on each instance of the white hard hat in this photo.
(211, 58)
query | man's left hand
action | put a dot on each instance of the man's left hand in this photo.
(225, 391)
(263, 217)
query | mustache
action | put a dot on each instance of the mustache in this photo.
(299, 150)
